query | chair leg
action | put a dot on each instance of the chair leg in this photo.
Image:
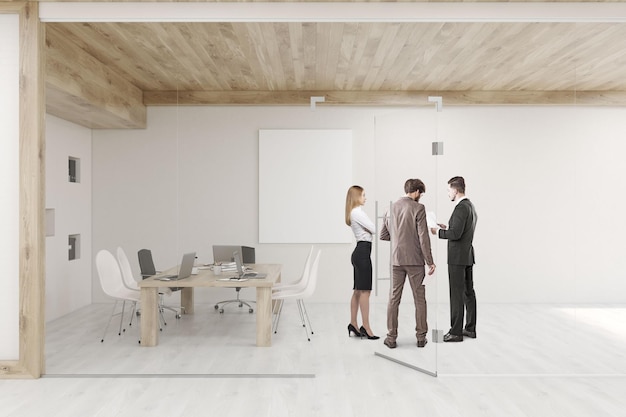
(161, 319)
(109, 322)
(304, 317)
(176, 312)
(132, 314)
(122, 318)
(134, 311)
(301, 313)
(237, 300)
(277, 317)
(162, 307)
(306, 314)
(306, 332)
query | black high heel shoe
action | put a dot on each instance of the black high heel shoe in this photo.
(354, 330)
(365, 334)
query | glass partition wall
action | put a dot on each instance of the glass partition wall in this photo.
(549, 291)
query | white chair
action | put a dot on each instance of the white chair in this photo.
(300, 283)
(299, 295)
(131, 283)
(113, 286)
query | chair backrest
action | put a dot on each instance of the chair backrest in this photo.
(299, 284)
(312, 278)
(127, 272)
(306, 272)
(111, 277)
(146, 264)
(307, 264)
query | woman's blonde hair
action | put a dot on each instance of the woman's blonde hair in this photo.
(353, 200)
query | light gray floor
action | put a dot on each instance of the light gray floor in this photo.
(528, 360)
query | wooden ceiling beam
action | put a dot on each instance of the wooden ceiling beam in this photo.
(81, 89)
(385, 98)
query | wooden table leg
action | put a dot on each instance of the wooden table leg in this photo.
(149, 316)
(264, 316)
(186, 300)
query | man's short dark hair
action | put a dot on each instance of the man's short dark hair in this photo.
(458, 183)
(413, 185)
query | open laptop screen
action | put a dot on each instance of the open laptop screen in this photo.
(185, 269)
(241, 270)
(224, 253)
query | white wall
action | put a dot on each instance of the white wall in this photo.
(545, 181)
(9, 186)
(68, 283)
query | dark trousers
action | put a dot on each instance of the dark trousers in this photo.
(462, 298)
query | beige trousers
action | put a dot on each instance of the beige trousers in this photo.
(416, 277)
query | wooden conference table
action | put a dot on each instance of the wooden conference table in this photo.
(206, 278)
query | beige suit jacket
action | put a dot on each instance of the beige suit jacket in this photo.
(410, 242)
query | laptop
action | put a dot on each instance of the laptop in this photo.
(224, 253)
(184, 271)
(241, 270)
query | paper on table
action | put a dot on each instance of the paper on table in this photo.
(228, 266)
(431, 219)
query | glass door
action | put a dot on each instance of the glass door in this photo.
(403, 150)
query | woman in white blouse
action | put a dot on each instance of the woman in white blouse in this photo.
(363, 229)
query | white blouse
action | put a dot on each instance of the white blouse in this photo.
(361, 225)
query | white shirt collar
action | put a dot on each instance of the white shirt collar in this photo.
(460, 199)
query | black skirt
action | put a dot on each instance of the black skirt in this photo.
(362, 263)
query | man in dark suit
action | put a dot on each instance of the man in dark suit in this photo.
(460, 234)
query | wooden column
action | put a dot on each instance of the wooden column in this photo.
(32, 195)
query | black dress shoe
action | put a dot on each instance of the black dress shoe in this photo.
(449, 337)
(421, 343)
(469, 334)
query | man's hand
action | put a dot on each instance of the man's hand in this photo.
(434, 230)
(431, 269)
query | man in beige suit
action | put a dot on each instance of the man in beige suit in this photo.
(410, 247)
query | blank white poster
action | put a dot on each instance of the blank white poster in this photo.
(303, 179)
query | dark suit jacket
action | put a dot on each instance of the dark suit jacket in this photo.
(460, 234)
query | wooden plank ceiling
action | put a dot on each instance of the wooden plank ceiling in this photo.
(101, 75)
